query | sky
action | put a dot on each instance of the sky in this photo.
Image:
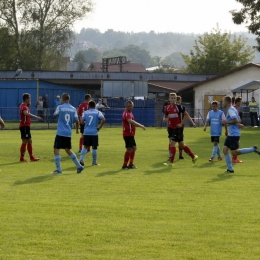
(181, 16)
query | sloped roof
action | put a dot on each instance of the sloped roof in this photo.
(249, 87)
(128, 67)
(257, 65)
(173, 86)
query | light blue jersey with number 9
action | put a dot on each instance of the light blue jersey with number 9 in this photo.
(91, 118)
(67, 115)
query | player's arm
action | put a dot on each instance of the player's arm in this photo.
(101, 123)
(231, 122)
(2, 123)
(31, 115)
(132, 122)
(187, 116)
(77, 126)
(207, 121)
(225, 125)
(205, 126)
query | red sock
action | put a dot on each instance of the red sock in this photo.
(81, 143)
(22, 150)
(188, 151)
(126, 158)
(180, 151)
(169, 148)
(173, 152)
(132, 156)
(29, 149)
(234, 158)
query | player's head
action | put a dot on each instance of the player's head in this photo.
(92, 104)
(214, 105)
(100, 101)
(172, 98)
(87, 97)
(253, 99)
(238, 101)
(27, 98)
(179, 100)
(65, 97)
(227, 101)
(129, 105)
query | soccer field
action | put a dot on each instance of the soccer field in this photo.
(152, 212)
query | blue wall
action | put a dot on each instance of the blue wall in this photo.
(11, 92)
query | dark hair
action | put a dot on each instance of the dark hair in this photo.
(215, 102)
(228, 99)
(65, 96)
(87, 96)
(238, 99)
(26, 96)
(178, 98)
(92, 104)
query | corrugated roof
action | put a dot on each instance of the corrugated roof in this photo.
(128, 67)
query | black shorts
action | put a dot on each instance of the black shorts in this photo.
(91, 140)
(232, 142)
(215, 139)
(25, 132)
(82, 128)
(176, 134)
(129, 141)
(62, 142)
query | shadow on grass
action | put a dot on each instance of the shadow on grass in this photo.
(12, 163)
(37, 179)
(222, 177)
(163, 169)
(228, 176)
(101, 174)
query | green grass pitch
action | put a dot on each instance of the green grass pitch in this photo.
(153, 212)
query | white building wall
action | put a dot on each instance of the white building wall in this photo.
(224, 85)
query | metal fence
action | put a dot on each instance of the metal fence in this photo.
(148, 116)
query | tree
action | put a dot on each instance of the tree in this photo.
(174, 60)
(250, 12)
(217, 52)
(7, 50)
(136, 54)
(41, 29)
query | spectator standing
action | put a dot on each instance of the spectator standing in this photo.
(253, 105)
(39, 106)
(46, 108)
(57, 101)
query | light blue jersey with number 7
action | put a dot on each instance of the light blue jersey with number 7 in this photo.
(91, 118)
(67, 115)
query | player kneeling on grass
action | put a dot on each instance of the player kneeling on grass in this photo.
(174, 113)
(67, 115)
(214, 118)
(129, 125)
(232, 140)
(90, 134)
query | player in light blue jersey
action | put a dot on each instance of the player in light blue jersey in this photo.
(91, 118)
(232, 141)
(214, 118)
(67, 115)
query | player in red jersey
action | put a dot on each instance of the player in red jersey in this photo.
(81, 109)
(173, 113)
(25, 122)
(179, 101)
(237, 104)
(129, 125)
